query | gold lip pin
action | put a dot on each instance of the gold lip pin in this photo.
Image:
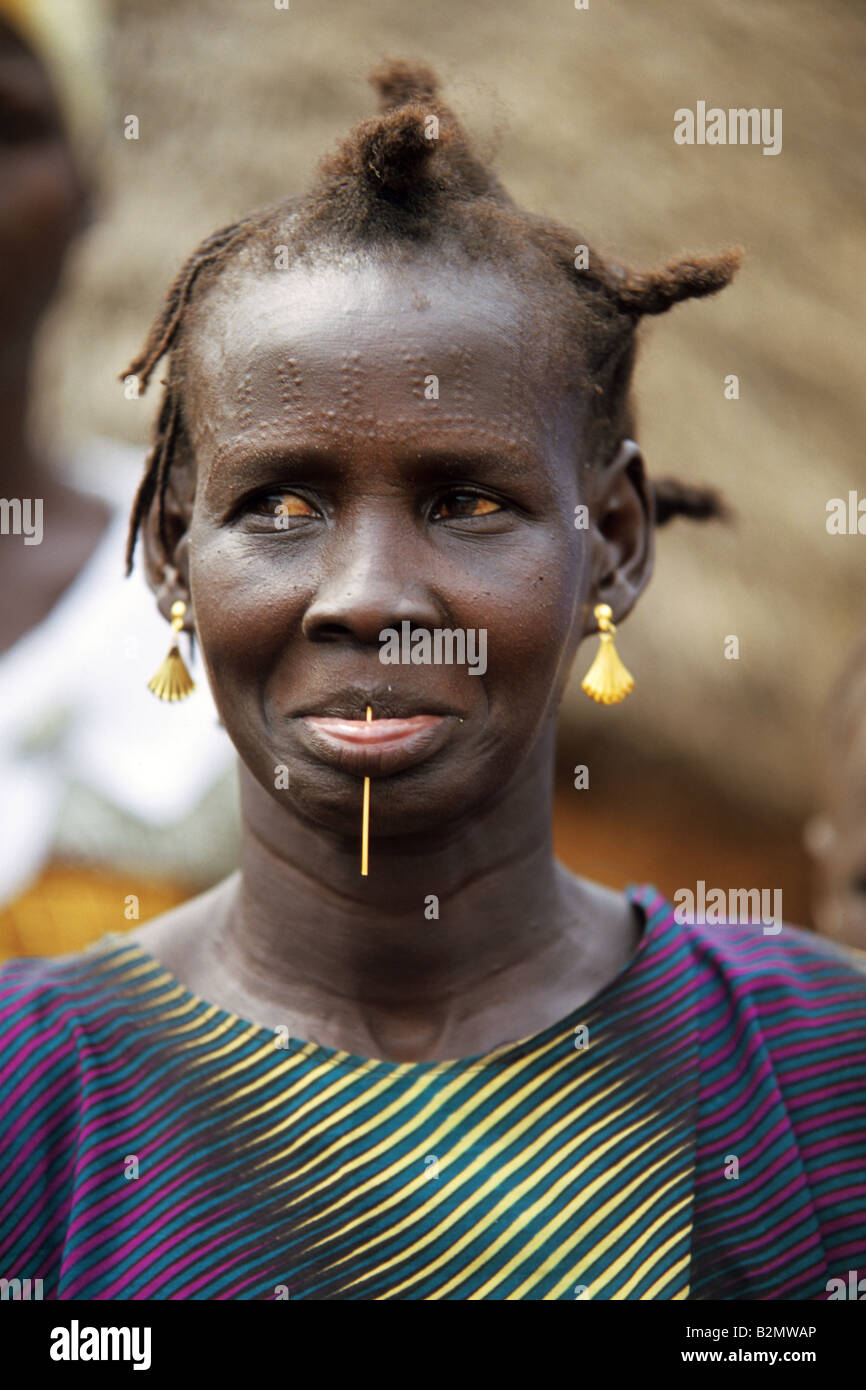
(365, 817)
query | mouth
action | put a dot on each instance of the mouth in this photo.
(380, 746)
(379, 732)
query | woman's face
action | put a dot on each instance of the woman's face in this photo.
(377, 446)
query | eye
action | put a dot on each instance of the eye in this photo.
(290, 504)
(463, 503)
(282, 506)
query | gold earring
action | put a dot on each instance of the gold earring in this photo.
(173, 681)
(607, 681)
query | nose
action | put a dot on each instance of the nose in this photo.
(372, 581)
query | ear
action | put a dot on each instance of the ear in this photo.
(167, 568)
(622, 535)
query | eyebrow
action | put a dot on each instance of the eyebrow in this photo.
(235, 463)
(510, 460)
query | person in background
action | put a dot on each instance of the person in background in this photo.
(836, 835)
(96, 776)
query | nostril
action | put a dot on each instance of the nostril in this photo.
(332, 632)
(357, 614)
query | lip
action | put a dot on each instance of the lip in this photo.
(351, 703)
(379, 747)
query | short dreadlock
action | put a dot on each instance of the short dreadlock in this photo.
(390, 184)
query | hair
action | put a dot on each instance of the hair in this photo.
(405, 182)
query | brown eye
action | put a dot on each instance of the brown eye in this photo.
(281, 509)
(465, 504)
(290, 504)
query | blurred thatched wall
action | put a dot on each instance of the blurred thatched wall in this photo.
(236, 102)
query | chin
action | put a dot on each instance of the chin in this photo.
(420, 801)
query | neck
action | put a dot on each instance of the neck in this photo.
(304, 924)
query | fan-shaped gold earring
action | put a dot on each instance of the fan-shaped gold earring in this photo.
(173, 681)
(607, 681)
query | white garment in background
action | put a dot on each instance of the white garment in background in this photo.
(92, 764)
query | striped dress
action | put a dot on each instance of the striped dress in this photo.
(697, 1130)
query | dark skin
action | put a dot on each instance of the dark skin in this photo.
(43, 204)
(305, 390)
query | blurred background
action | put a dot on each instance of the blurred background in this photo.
(729, 771)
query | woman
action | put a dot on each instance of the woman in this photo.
(465, 1074)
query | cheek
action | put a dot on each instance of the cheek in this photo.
(530, 616)
(247, 607)
(543, 610)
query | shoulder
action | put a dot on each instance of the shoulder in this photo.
(752, 976)
(64, 1023)
(756, 954)
(180, 939)
(42, 999)
(53, 1009)
(42, 1051)
(783, 967)
(779, 1020)
(56, 1022)
(32, 988)
(791, 1006)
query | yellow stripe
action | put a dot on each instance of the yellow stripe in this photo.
(496, 1179)
(294, 1063)
(657, 1254)
(131, 957)
(567, 1213)
(579, 1200)
(450, 1159)
(329, 1122)
(392, 1139)
(600, 1215)
(666, 1278)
